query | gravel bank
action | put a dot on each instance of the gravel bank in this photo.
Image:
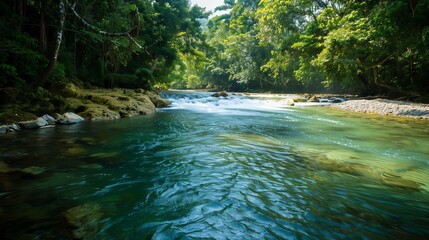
(386, 107)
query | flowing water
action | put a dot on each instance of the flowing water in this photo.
(246, 167)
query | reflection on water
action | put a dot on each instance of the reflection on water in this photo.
(238, 168)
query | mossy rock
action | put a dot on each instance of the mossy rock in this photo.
(94, 111)
(70, 90)
(157, 100)
(9, 116)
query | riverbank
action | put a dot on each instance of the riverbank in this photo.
(107, 104)
(87, 104)
(385, 107)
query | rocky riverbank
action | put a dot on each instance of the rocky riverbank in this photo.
(386, 107)
(106, 104)
(91, 105)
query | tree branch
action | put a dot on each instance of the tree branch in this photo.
(104, 33)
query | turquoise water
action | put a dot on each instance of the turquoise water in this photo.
(240, 168)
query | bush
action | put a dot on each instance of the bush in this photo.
(123, 81)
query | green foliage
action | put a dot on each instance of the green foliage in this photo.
(19, 61)
(58, 75)
(276, 45)
(350, 46)
(9, 76)
(123, 81)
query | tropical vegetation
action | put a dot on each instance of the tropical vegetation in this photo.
(365, 47)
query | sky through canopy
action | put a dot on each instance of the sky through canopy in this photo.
(210, 5)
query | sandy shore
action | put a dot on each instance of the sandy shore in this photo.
(386, 107)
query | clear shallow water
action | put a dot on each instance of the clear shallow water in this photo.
(206, 168)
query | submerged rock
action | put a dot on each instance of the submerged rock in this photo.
(33, 170)
(89, 141)
(32, 124)
(320, 161)
(397, 181)
(85, 220)
(92, 166)
(220, 94)
(69, 118)
(76, 151)
(104, 155)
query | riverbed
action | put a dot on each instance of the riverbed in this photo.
(242, 167)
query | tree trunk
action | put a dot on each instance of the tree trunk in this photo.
(155, 63)
(392, 90)
(366, 87)
(21, 9)
(53, 59)
(43, 47)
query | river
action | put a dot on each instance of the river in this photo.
(245, 167)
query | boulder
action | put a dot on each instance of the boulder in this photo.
(300, 99)
(126, 106)
(14, 127)
(157, 100)
(32, 124)
(313, 99)
(69, 118)
(49, 119)
(161, 103)
(336, 100)
(220, 94)
(289, 102)
(96, 112)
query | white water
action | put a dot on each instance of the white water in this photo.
(234, 103)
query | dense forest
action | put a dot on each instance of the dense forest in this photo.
(134, 42)
(365, 47)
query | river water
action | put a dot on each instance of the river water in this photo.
(246, 167)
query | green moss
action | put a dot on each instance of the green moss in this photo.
(11, 115)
